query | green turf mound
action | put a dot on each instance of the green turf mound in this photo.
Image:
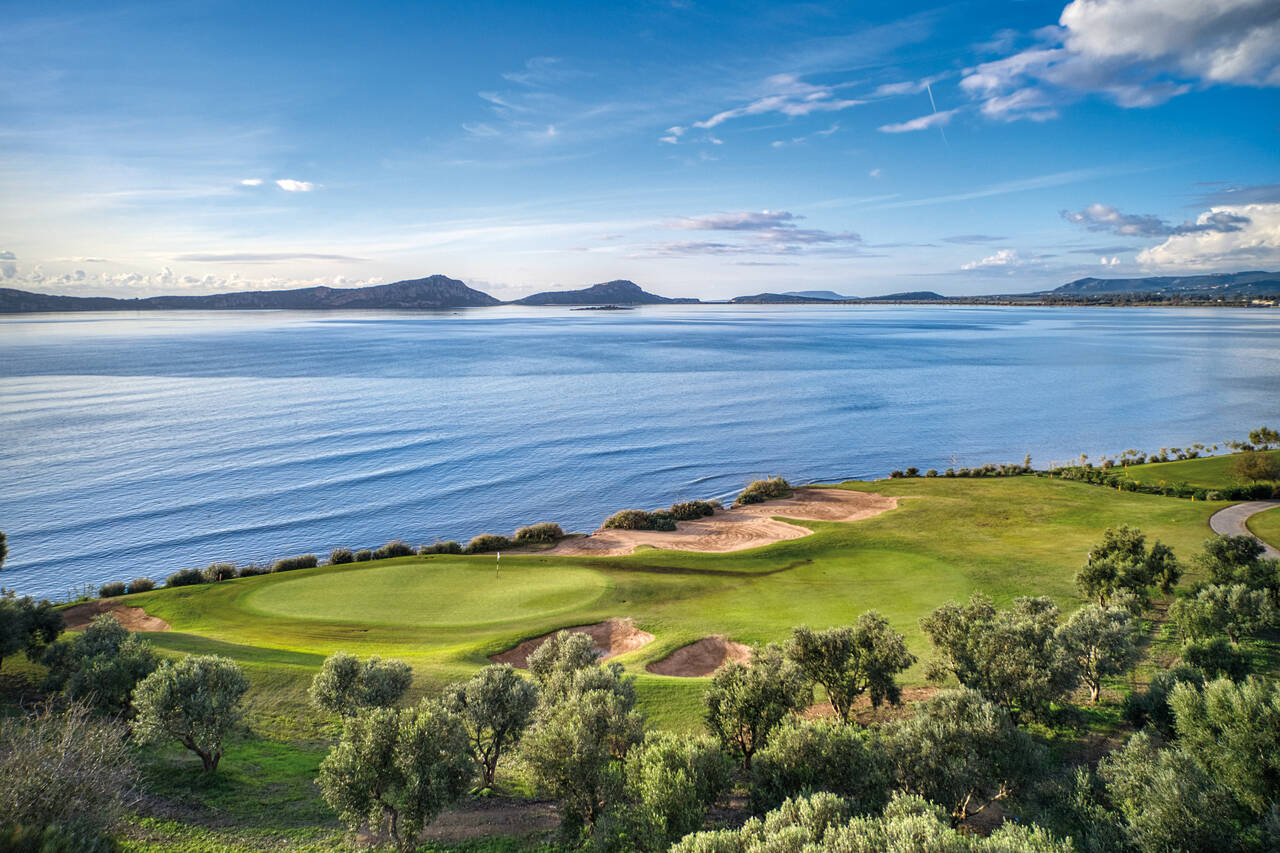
(432, 593)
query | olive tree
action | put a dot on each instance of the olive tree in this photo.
(101, 666)
(397, 768)
(1254, 466)
(1099, 643)
(496, 706)
(1234, 610)
(1012, 656)
(554, 663)
(195, 701)
(1122, 562)
(961, 751)
(804, 757)
(26, 625)
(747, 701)
(346, 686)
(1239, 559)
(851, 661)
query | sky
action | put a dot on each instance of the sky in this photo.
(699, 149)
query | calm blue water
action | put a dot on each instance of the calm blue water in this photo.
(143, 443)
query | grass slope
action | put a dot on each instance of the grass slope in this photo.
(1211, 472)
(1266, 526)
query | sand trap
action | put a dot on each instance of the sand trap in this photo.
(701, 659)
(79, 616)
(612, 638)
(737, 529)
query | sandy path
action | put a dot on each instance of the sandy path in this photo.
(78, 617)
(612, 637)
(737, 529)
(1231, 522)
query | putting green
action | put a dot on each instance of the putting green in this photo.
(436, 593)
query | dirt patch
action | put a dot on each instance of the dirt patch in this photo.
(78, 617)
(612, 637)
(475, 819)
(739, 528)
(701, 659)
(865, 715)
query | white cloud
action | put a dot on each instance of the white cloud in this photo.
(874, 173)
(291, 186)
(251, 182)
(8, 265)
(743, 221)
(770, 232)
(921, 123)
(1257, 242)
(1138, 53)
(786, 94)
(1104, 217)
(1109, 262)
(1002, 258)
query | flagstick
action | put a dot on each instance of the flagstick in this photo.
(497, 566)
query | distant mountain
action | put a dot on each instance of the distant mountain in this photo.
(1231, 284)
(618, 292)
(908, 296)
(779, 299)
(434, 292)
(818, 294)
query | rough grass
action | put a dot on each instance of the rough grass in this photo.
(1266, 526)
(1211, 472)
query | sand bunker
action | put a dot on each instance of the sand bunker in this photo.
(701, 659)
(740, 528)
(79, 616)
(611, 638)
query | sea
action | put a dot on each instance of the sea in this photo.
(137, 444)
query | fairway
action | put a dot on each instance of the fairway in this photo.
(431, 593)
(1210, 472)
(1266, 526)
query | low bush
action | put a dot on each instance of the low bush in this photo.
(802, 758)
(394, 548)
(339, 556)
(627, 519)
(486, 542)
(111, 589)
(758, 491)
(289, 564)
(547, 532)
(185, 577)
(693, 510)
(141, 585)
(221, 572)
(448, 547)
(364, 555)
(913, 471)
(932, 472)
(254, 569)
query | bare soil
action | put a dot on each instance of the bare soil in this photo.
(474, 819)
(612, 637)
(739, 528)
(865, 715)
(78, 617)
(701, 659)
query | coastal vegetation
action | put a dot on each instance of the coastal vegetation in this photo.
(991, 647)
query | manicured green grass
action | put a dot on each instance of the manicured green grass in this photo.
(1211, 472)
(1266, 526)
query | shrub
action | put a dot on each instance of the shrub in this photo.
(111, 589)
(448, 547)
(895, 474)
(141, 585)
(758, 491)
(486, 542)
(220, 572)
(932, 472)
(661, 519)
(394, 548)
(547, 532)
(913, 471)
(254, 569)
(364, 555)
(289, 564)
(185, 577)
(693, 510)
(628, 519)
(802, 758)
(346, 686)
(100, 666)
(339, 556)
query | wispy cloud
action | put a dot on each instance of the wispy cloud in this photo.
(251, 182)
(261, 257)
(972, 239)
(289, 185)
(786, 94)
(1053, 179)
(1104, 217)
(767, 232)
(924, 122)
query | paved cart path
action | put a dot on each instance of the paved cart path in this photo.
(1230, 521)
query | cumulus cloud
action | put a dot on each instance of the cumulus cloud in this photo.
(289, 185)
(251, 182)
(8, 264)
(1256, 241)
(1003, 258)
(1138, 53)
(922, 123)
(786, 94)
(1104, 217)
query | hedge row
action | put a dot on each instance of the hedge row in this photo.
(1105, 477)
(988, 470)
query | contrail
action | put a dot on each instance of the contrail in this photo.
(928, 88)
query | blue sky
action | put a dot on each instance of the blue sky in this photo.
(699, 149)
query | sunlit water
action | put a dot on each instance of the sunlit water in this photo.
(137, 444)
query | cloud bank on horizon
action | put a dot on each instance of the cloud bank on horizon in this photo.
(703, 149)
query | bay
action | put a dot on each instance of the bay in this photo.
(141, 443)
